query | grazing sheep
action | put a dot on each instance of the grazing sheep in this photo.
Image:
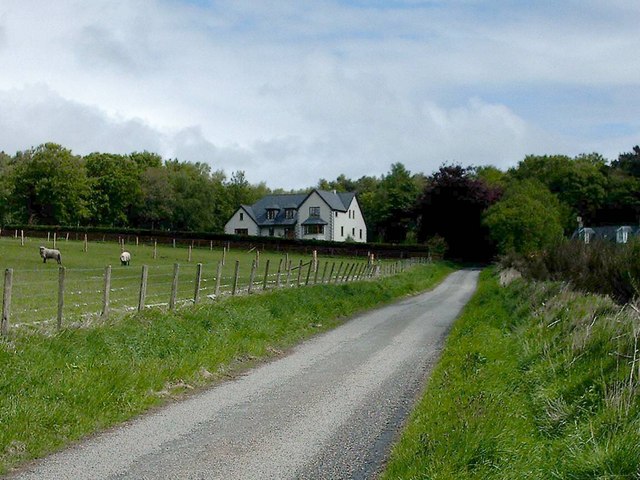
(125, 258)
(50, 253)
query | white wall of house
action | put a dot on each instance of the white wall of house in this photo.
(241, 220)
(350, 224)
(314, 200)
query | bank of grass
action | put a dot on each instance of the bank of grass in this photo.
(56, 389)
(536, 382)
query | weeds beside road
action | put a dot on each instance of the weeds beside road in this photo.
(536, 382)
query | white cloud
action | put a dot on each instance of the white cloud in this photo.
(291, 91)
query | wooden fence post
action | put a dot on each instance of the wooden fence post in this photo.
(306, 282)
(22, 238)
(315, 274)
(224, 255)
(189, 256)
(252, 275)
(299, 273)
(346, 272)
(155, 249)
(174, 286)
(257, 258)
(289, 273)
(196, 294)
(266, 275)
(6, 301)
(143, 287)
(48, 237)
(235, 278)
(333, 265)
(105, 295)
(279, 274)
(61, 275)
(216, 292)
(174, 243)
(54, 239)
(324, 271)
(337, 279)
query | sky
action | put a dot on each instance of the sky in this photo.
(293, 91)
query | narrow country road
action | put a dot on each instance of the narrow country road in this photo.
(329, 410)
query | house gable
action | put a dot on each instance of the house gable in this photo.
(350, 224)
(242, 222)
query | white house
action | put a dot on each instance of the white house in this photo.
(319, 215)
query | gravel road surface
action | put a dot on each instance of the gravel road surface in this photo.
(328, 410)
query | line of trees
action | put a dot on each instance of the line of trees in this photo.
(49, 185)
(473, 212)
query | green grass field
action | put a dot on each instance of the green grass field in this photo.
(57, 388)
(35, 284)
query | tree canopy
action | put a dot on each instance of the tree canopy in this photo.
(472, 212)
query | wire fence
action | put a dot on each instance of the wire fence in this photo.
(81, 297)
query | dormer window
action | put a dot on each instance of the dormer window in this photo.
(272, 213)
(622, 235)
(314, 212)
(289, 213)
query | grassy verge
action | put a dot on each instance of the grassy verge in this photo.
(536, 382)
(56, 389)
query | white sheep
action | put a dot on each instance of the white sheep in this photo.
(50, 253)
(125, 258)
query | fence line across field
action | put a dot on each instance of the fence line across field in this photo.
(200, 284)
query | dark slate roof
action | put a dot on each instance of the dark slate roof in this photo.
(258, 211)
(337, 201)
(314, 221)
(279, 202)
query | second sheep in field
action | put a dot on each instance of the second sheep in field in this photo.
(125, 258)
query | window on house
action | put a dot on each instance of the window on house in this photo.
(313, 229)
(272, 213)
(242, 231)
(314, 211)
(342, 231)
(271, 232)
(289, 213)
(622, 236)
(353, 231)
(360, 234)
(241, 216)
(336, 214)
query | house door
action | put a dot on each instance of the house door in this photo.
(289, 233)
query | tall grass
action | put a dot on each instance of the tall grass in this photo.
(55, 389)
(536, 382)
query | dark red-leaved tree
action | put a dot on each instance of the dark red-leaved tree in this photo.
(452, 206)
